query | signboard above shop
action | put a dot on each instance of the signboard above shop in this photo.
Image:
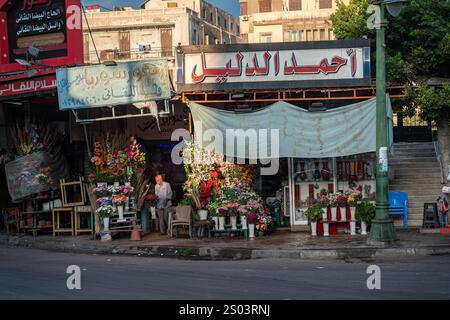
(120, 84)
(52, 27)
(343, 63)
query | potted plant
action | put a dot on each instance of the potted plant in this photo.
(232, 213)
(105, 212)
(152, 201)
(313, 213)
(353, 197)
(365, 213)
(119, 201)
(324, 202)
(213, 207)
(332, 198)
(127, 190)
(101, 191)
(342, 204)
(252, 219)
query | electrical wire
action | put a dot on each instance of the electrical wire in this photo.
(90, 32)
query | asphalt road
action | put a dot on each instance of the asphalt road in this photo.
(35, 274)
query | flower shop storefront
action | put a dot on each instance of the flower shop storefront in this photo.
(307, 128)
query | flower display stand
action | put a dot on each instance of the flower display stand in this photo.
(229, 231)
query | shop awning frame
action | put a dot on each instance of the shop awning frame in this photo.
(326, 94)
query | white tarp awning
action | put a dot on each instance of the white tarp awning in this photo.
(336, 132)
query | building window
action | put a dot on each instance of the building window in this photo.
(295, 5)
(325, 4)
(295, 35)
(204, 13)
(330, 34)
(265, 37)
(308, 35)
(315, 35)
(225, 23)
(322, 34)
(211, 17)
(244, 7)
(265, 6)
(172, 5)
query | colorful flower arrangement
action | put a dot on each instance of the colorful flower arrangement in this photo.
(105, 211)
(104, 201)
(119, 199)
(221, 187)
(342, 200)
(353, 196)
(126, 190)
(151, 199)
(110, 165)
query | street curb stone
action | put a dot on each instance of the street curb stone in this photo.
(216, 253)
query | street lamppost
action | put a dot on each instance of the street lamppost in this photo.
(382, 229)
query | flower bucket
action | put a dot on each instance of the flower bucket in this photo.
(314, 229)
(221, 223)
(244, 222)
(106, 224)
(353, 213)
(324, 214)
(233, 220)
(203, 214)
(216, 222)
(326, 230)
(251, 231)
(363, 228)
(353, 228)
(333, 213)
(153, 212)
(120, 211)
(343, 213)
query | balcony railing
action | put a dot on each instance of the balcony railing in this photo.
(133, 54)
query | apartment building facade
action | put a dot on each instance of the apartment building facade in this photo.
(286, 20)
(154, 30)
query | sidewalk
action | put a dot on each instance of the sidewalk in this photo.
(299, 245)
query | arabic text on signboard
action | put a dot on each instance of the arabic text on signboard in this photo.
(125, 83)
(285, 65)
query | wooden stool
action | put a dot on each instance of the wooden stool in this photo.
(56, 212)
(78, 212)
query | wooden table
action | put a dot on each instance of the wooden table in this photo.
(35, 227)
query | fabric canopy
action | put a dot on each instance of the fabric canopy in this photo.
(336, 132)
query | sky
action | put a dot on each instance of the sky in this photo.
(231, 6)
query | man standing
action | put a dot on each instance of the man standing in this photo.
(164, 193)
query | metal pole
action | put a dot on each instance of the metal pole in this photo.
(382, 229)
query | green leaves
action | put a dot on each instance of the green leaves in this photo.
(434, 102)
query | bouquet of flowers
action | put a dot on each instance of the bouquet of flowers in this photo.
(104, 201)
(126, 190)
(119, 199)
(151, 199)
(101, 191)
(332, 199)
(353, 197)
(342, 200)
(252, 218)
(323, 201)
(105, 211)
(112, 190)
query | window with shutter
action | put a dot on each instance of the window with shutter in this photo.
(295, 5)
(325, 4)
(265, 6)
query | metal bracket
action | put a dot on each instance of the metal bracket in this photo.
(143, 113)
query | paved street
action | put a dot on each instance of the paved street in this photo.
(35, 274)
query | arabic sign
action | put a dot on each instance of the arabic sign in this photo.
(260, 66)
(24, 86)
(52, 26)
(124, 83)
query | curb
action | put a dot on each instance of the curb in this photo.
(214, 253)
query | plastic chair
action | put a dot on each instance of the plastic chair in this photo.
(398, 206)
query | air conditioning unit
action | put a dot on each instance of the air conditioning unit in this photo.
(244, 18)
